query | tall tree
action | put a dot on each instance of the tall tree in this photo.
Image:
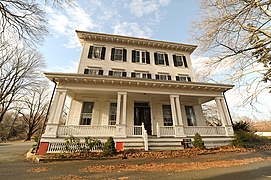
(20, 69)
(236, 36)
(34, 109)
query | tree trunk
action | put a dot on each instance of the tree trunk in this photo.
(28, 136)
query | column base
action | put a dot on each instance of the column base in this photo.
(50, 131)
(229, 130)
(179, 131)
(120, 131)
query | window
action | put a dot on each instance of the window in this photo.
(117, 73)
(96, 52)
(143, 75)
(93, 71)
(191, 118)
(162, 77)
(118, 54)
(161, 59)
(86, 115)
(183, 78)
(167, 115)
(112, 113)
(179, 61)
(140, 57)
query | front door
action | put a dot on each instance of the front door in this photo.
(142, 113)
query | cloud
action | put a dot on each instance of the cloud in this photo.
(69, 67)
(132, 29)
(140, 8)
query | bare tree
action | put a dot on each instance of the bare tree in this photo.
(236, 37)
(19, 70)
(34, 109)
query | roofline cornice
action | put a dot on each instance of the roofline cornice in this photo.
(87, 36)
(76, 78)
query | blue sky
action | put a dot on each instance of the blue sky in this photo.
(168, 20)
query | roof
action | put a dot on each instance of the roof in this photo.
(119, 39)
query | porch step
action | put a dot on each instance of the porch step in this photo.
(165, 143)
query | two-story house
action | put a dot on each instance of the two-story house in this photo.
(141, 92)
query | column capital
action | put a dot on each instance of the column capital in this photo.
(122, 93)
(174, 96)
(219, 97)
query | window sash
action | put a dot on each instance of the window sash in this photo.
(112, 113)
(167, 116)
(143, 57)
(86, 115)
(118, 54)
(97, 52)
(179, 61)
(162, 77)
(161, 58)
(137, 56)
(117, 73)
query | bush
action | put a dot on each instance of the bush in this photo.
(247, 139)
(92, 143)
(72, 144)
(109, 147)
(198, 142)
(242, 125)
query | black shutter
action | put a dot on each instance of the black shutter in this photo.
(124, 55)
(110, 73)
(90, 52)
(177, 78)
(86, 71)
(133, 55)
(169, 77)
(155, 58)
(147, 57)
(149, 76)
(184, 61)
(156, 76)
(101, 72)
(166, 59)
(112, 54)
(124, 74)
(174, 60)
(132, 74)
(103, 53)
(189, 79)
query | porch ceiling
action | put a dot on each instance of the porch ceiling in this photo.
(81, 83)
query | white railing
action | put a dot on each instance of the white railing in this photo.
(166, 131)
(134, 130)
(85, 130)
(204, 130)
(64, 147)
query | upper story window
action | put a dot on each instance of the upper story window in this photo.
(96, 52)
(162, 76)
(93, 71)
(143, 75)
(161, 59)
(179, 61)
(140, 57)
(118, 54)
(183, 78)
(117, 73)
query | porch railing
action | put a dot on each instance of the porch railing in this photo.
(204, 131)
(167, 131)
(134, 130)
(84, 130)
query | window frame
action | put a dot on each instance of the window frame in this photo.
(182, 76)
(89, 115)
(112, 121)
(120, 54)
(168, 121)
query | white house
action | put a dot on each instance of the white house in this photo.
(142, 92)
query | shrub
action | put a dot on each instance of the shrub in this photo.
(72, 144)
(242, 125)
(198, 142)
(247, 139)
(109, 147)
(92, 143)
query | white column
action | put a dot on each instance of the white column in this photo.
(179, 111)
(60, 106)
(124, 108)
(118, 109)
(226, 112)
(53, 107)
(173, 110)
(220, 111)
